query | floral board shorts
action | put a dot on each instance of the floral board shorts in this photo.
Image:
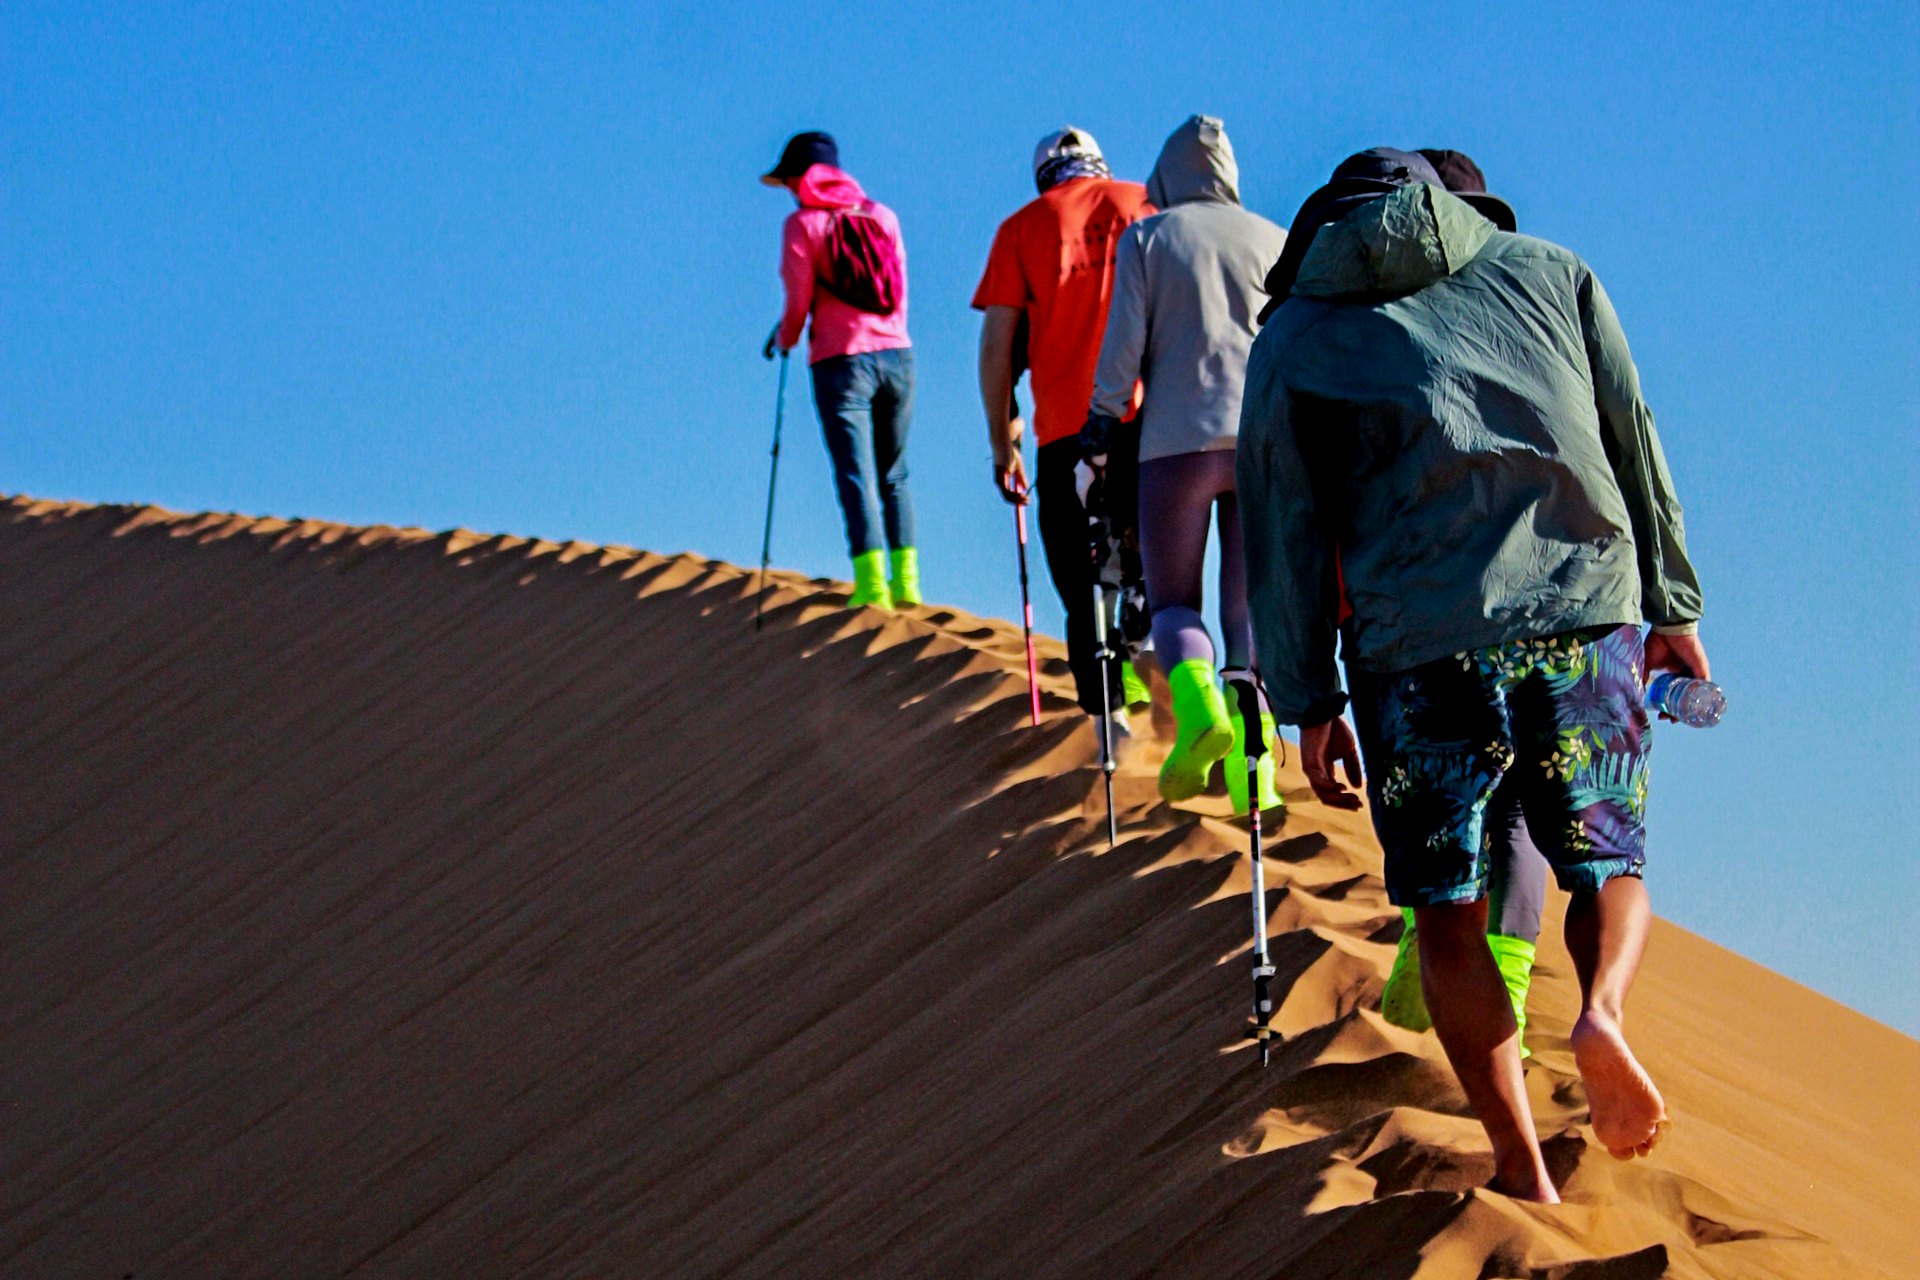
(1556, 721)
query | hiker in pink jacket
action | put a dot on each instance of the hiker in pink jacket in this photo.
(844, 266)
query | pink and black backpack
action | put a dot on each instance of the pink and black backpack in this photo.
(863, 267)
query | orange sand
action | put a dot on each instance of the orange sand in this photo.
(386, 903)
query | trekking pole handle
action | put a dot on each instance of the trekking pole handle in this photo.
(1247, 690)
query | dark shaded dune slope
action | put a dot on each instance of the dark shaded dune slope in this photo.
(390, 903)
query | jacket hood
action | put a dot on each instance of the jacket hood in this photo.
(1195, 164)
(1394, 245)
(824, 187)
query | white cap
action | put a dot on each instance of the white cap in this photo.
(1070, 141)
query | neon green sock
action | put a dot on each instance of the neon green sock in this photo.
(1401, 1001)
(870, 581)
(1236, 765)
(1133, 690)
(906, 576)
(1204, 732)
(1515, 956)
(1404, 1004)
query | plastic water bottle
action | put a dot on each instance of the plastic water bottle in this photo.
(1699, 703)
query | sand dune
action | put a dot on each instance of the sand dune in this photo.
(389, 903)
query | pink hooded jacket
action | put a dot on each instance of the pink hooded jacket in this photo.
(839, 328)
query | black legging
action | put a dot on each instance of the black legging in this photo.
(1179, 496)
(1517, 887)
(1064, 535)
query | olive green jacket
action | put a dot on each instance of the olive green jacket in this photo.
(1445, 415)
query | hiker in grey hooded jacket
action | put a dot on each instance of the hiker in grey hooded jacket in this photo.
(1186, 291)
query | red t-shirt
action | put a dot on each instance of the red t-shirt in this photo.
(1054, 260)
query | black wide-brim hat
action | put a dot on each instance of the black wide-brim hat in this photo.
(1492, 208)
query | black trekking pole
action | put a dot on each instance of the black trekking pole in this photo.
(1247, 689)
(773, 476)
(1100, 554)
(1103, 653)
(1026, 611)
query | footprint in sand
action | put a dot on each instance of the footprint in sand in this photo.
(1629, 1116)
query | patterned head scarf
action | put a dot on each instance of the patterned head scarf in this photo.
(1067, 153)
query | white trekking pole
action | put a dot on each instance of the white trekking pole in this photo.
(1247, 689)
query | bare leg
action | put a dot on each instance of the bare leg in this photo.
(1474, 1018)
(1606, 935)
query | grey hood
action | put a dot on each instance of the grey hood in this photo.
(1395, 245)
(1196, 164)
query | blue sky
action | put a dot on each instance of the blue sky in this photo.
(510, 269)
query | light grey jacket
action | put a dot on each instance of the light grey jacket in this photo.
(1186, 291)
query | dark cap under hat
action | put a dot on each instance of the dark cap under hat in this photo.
(1463, 177)
(802, 152)
(1456, 169)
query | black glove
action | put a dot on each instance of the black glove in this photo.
(1091, 470)
(1094, 436)
(766, 352)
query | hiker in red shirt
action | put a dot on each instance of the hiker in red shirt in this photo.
(844, 268)
(1052, 266)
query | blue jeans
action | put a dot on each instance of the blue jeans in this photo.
(866, 405)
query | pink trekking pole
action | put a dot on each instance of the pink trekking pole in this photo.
(1026, 610)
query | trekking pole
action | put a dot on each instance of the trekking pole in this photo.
(1026, 611)
(773, 475)
(1247, 689)
(1104, 654)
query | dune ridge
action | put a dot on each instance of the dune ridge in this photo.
(385, 902)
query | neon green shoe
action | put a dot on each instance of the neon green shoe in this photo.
(1515, 958)
(906, 576)
(1133, 690)
(1204, 732)
(1401, 1001)
(1236, 765)
(870, 581)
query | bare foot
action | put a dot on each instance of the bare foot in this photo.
(1645, 1148)
(1530, 1185)
(1629, 1116)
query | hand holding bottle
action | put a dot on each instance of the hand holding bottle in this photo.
(1683, 689)
(1683, 655)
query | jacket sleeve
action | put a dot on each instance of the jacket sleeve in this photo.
(1669, 589)
(796, 275)
(1292, 588)
(1121, 350)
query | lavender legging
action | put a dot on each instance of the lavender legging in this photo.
(1178, 496)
